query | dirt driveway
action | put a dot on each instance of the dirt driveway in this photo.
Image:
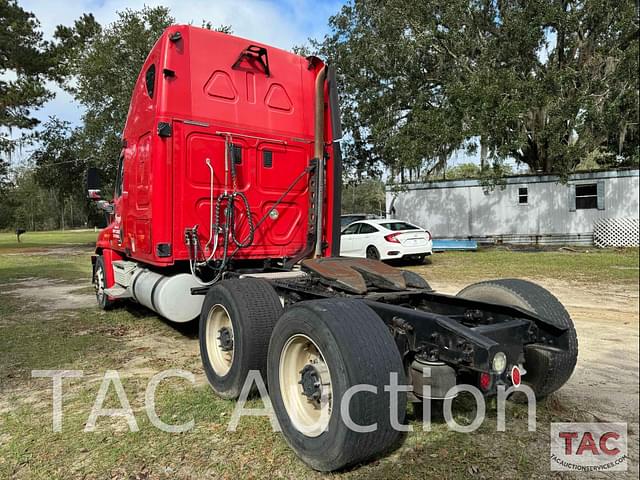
(604, 386)
(605, 382)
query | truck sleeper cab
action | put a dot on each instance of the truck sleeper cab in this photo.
(211, 114)
(227, 208)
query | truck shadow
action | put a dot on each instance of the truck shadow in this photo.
(187, 329)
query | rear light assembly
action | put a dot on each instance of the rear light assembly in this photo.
(499, 363)
(485, 381)
(429, 237)
(391, 238)
(516, 376)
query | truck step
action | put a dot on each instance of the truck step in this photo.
(118, 292)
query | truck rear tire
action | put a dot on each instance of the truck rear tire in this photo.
(318, 350)
(548, 367)
(414, 280)
(236, 321)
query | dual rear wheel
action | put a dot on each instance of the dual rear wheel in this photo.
(236, 322)
(311, 356)
(321, 353)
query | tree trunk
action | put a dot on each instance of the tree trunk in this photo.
(483, 153)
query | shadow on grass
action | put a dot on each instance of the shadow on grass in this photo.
(187, 329)
(409, 262)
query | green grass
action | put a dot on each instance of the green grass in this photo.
(33, 337)
(67, 266)
(138, 344)
(585, 265)
(60, 342)
(254, 450)
(54, 255)
(33, 240)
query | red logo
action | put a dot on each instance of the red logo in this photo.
(589, 446)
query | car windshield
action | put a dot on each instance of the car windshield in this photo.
(398, 226)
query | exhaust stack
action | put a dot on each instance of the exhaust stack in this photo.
(319, 154)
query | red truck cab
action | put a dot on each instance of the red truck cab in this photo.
(210, 114)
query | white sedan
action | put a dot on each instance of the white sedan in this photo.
(385, 240)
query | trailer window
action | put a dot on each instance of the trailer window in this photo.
(586, 196)
(150, 80)
(523, 195)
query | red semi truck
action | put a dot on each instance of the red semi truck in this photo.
(227, 209)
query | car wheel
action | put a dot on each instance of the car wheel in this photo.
(373, 253)
(425, 260)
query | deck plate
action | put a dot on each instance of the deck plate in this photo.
(355, 275)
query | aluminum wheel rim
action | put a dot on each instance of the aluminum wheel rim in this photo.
(219, 359)
(310, 417)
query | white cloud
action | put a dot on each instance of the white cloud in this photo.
(282, 23)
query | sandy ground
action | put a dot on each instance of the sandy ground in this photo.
(606, 319)
(55, 295)
(604, 384)
(605, 381)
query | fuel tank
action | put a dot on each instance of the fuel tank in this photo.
(168, 296)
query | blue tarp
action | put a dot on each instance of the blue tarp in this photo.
(446, 245)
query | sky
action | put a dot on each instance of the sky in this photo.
(281, 23)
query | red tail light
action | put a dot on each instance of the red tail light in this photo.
(429, 237)
(516, 376)
(485, 381)
(392, 238)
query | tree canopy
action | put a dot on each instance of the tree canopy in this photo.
(550, 84)
(545, 82)
(25, 64)
(101, 67)
(98, 65)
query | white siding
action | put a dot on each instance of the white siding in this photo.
(466, 209)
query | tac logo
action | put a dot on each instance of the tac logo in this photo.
(588, 447)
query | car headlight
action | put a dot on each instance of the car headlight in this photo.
(499, 362)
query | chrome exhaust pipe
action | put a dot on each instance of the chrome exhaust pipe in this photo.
(319, 154)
